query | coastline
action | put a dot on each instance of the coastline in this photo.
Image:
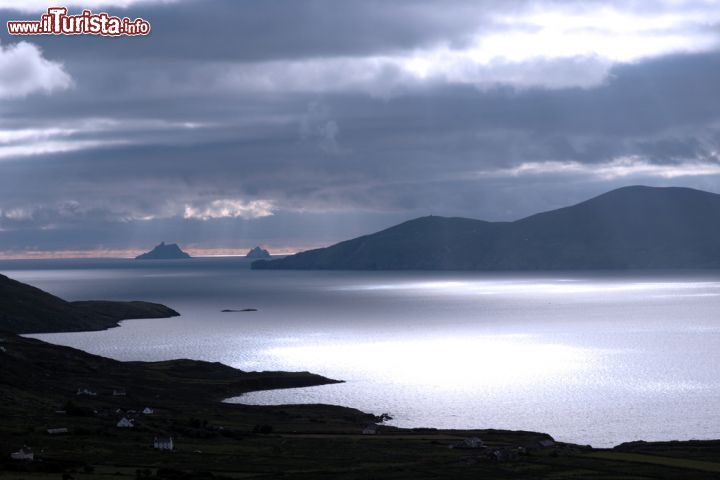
(41, 382)
(214, 436)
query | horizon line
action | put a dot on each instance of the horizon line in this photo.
(132, 253)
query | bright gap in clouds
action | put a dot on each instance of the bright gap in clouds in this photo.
(69, 137)
(13, 152)
(622, 167)
(524, 44)
(549, 46)
(229, 208)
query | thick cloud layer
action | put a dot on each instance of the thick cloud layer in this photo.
(296, 123)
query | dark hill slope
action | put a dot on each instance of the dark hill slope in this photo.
(632, 227)
(46, 370)
(424, 243)
(26, 309)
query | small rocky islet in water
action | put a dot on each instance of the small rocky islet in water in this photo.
(258, 253)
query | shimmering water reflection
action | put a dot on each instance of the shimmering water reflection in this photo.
(587, 357)
(467, 363)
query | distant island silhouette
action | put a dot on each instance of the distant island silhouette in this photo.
(169, 251)
(633, 227)
(258, 253)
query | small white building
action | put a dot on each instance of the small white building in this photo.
(24, 453)
(57, 431)
(148, 411)
(86, 391)
(163, 443)
(371, 429)
(471, 442)
(126, 423)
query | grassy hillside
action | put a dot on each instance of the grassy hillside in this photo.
(214, 440)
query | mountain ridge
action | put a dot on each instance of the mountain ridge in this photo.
(635, 227)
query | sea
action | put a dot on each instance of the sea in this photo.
(594, 358)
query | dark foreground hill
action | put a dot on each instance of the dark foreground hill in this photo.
(629, 228)
(37, 367)
(26, 309)
(77, 436)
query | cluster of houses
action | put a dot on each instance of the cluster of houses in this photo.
(117, 392)
(504, 454)
(126, 421)
(159, 443)
(163, 443)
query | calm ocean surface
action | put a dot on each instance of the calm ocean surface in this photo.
(589, 358)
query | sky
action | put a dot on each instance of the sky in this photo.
(295, 124)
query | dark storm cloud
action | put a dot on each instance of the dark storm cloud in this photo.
(189, 135)
(242, 30)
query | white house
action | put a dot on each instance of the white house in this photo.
(371, 429)
(163, 443)
(24, 453)
(86, 391)
(126, 423)
(472, 442)
(540, 445)
(148, 411)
